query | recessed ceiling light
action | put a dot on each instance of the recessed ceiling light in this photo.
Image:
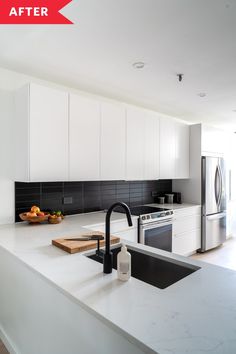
(139, 65)
(202, 94)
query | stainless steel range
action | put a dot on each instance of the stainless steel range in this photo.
(155, 226)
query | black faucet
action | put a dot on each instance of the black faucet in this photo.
(107, 258)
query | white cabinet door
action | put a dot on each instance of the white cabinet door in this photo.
(84, 139)
(21, 134)
(120, 229)
(186, 230)
(181, 225)
(43, 113)
(142, 144)
(48, 134)
(186, 243)
(135, 144)
(113, 141)
(130, 234)
(181, 150)
(167, 148)
(151, 146)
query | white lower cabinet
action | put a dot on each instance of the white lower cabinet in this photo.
(130, 234)
(186, 239)
(186, 243)
(187, 223)
(119, 229)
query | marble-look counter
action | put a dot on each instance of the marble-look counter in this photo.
(175, 206)
(195, 315)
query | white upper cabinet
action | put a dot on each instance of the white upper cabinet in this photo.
(113, 141)
(181, 150)
(41, 134)
(142, 144)
(84, 138)
(151, 146)
(167, 148)
(135, 144)
(174, 149)
(73, 137)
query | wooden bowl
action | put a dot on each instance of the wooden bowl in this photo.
(56, 220)
(33, 219)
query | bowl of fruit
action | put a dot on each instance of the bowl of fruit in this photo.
(55, 217)
(35, 215)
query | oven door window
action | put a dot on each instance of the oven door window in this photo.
(159, 237)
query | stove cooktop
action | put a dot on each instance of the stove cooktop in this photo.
(144, 209)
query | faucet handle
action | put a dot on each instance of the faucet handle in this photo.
(96, 237)
(99, 252)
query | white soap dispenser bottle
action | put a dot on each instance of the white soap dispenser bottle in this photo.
(124, 264)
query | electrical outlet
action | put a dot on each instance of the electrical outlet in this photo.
(67, 200)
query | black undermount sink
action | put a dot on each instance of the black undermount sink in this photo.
(156, 270)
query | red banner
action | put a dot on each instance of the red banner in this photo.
(33, 12)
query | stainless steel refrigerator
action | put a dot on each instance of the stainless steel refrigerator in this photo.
(213, 202)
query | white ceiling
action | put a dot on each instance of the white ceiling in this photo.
(194, 37)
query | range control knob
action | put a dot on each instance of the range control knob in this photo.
(148, 216)
(143, 217)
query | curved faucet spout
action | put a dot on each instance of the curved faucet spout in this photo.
(107, 259)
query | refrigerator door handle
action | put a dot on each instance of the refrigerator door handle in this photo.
(216, 186)
(216, 216)
(221, 185)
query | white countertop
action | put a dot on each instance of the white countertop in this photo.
(96, 218)
(195, 315)
(175, 206)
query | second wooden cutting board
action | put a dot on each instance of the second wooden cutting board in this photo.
(80, 246)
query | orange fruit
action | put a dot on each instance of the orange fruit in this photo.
(35, 209)
(31, 214)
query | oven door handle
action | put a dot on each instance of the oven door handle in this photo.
(157, 224)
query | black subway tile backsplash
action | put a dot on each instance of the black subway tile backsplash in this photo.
(86, 196)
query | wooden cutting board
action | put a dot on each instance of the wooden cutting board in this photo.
(80, 246)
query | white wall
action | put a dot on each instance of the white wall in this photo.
(6, 157)
(231, 186)
(191, 188)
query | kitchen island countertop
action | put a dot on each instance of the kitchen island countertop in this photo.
(195, 315)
